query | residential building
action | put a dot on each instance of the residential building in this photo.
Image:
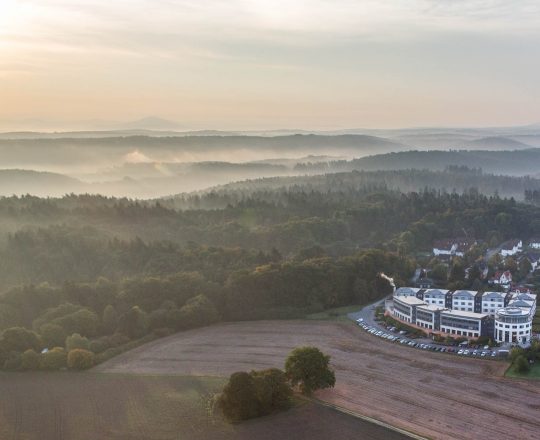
(502, 278)
(452, 246)
(511, 247)
(534, 243)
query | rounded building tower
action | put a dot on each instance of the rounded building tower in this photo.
(513, 324)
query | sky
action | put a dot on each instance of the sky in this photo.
(257, 64)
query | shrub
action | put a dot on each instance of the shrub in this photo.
(79, 359)
(54, 359)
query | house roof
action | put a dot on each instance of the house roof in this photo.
(510, 244)
(461, 243)
(436, 292)
(499, 295)
(460, 313)
(406, 291)
(464, 293)
(506, 273)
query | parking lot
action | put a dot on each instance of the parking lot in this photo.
(400, 337)
(365, 318)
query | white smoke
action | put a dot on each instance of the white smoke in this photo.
(387, 278)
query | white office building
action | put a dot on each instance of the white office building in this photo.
(463, 300)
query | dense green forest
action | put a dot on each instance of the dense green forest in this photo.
(94, 273)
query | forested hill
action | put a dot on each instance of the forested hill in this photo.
(102, 152)
(85, 237)
(115, 270)
(515, 162)
(452, 179)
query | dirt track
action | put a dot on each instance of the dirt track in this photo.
(432, 394)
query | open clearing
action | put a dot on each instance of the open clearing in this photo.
(88, 406)
(432, 394)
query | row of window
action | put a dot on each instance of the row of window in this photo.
(459, 332)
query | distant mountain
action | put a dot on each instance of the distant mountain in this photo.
(496, 143)
(150, 123)
(43, 184)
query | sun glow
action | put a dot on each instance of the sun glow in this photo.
(9, 15)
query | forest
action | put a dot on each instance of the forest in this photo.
(101, 274)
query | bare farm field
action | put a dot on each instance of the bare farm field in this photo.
(88, 406)
(432, 394)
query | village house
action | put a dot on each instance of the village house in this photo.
(511, 247)
(502, 278)
(453, 246)
(534, 243)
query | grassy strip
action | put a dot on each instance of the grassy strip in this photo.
(533, 374)
(337, 314)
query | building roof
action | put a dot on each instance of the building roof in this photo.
(520, 303)
(506, 273)
(464, 293)
(436, 292)
(510, 244)
(525, 296)
(410, 300)
(406, 291)
(431, 307)
(462, 314)
(499, 295)
(513, 311)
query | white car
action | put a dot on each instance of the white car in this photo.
(460, 352)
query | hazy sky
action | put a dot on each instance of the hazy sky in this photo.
(269, 64)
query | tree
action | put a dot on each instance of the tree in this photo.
(521, 364)
(272, 389)
(110, 319)
(199, 311)
(457, 271)
(79, 359)
(524, 267)
(19, 339)
(54, 359)
(308, 368)
(238, 401)
(439, 273)
(53, 335)
(30, 360)
(133, 323)
(77, 341)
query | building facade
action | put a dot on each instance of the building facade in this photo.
(504, 317)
